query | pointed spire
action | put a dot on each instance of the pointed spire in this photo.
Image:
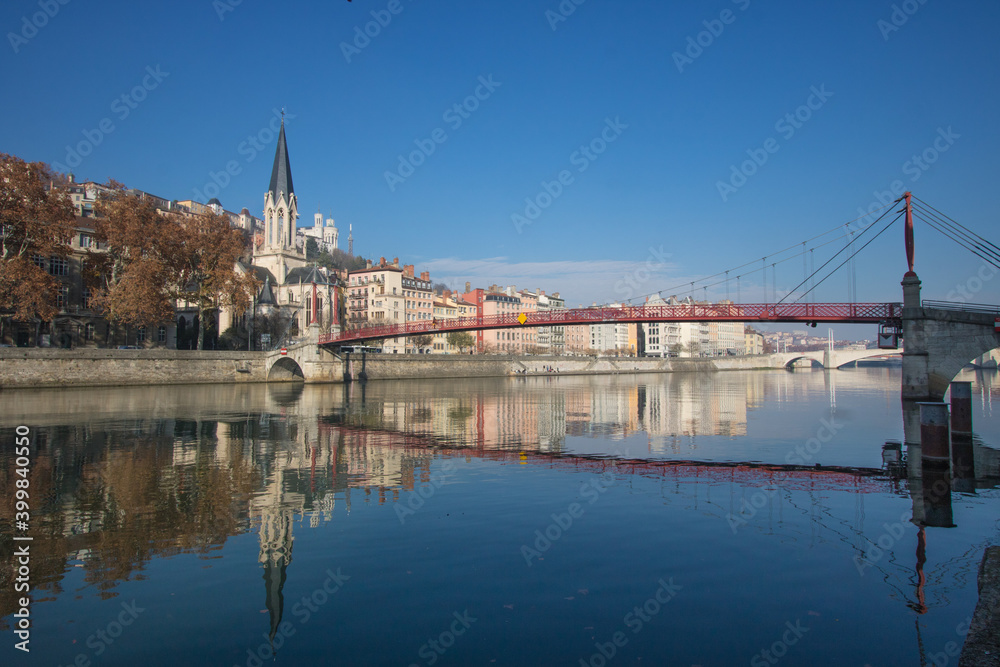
(266, 296)
(281, 173)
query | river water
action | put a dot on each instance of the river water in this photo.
(655, 519)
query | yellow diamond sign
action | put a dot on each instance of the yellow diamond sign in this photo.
(522, 318)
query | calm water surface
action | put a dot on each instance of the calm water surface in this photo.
(682, 519)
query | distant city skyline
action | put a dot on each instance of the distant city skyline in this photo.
(580, 152)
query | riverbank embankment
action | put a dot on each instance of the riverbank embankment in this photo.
(40, 367)
(34, 367)
(982, 644)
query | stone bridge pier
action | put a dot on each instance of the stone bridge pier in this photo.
(939, 342)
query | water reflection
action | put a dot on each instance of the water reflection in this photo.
(128, 476)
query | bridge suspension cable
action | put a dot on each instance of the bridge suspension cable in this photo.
(763, 269)
(725, 273)
(958, 233)
(835, 269)
(817, 271)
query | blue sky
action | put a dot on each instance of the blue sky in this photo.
(646, 209)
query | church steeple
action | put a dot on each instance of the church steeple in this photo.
(281, 172)
(280, 203)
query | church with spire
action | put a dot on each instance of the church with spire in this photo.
(277, 252)
(303, 294)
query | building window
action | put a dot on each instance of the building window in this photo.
(58, 266)
(140, 335)
(85, 300)
(86, 241)
(62, 297)
(88, 331)
(39, 261)
(161, 335)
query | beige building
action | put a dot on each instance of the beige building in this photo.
(375, 296)
(551, 340)
(502, 341)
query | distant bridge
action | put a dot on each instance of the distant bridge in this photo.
(807, 313)
(837, 358)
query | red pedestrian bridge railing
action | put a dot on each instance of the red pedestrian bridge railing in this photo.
(841, 313)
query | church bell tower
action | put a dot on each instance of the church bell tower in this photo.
(281, 208)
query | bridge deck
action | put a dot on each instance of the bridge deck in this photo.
(842, 313)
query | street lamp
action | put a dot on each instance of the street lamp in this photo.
(253, 314)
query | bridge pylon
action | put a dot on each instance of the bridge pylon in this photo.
(916, 384)
(940, 339)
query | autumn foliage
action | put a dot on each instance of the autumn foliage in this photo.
(150, 260)
(146, 260)
(132, 273)
(34, 223)
(208, 250)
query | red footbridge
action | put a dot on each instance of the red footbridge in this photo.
(841, 313)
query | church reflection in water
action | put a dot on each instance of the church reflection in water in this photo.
(135, 474)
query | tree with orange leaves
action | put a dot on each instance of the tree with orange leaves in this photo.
(206, 261)
(35, 224)
(153, 259)
(133, 274)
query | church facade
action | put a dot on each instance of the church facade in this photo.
(304, 295)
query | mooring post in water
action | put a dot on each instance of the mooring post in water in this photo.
(935, 465)
(963, 466)
(961, 408)
(934, 439)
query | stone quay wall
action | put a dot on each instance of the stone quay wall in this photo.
(41, 367)
(34, 367)
(394, 366)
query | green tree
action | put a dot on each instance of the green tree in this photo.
(461, 339)
(422, 341)
(338, 259)
(312, 249)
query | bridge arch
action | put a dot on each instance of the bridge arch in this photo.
(941, 338)
(286, 369)
(964, 349)
(813, 361)
(847, 357)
